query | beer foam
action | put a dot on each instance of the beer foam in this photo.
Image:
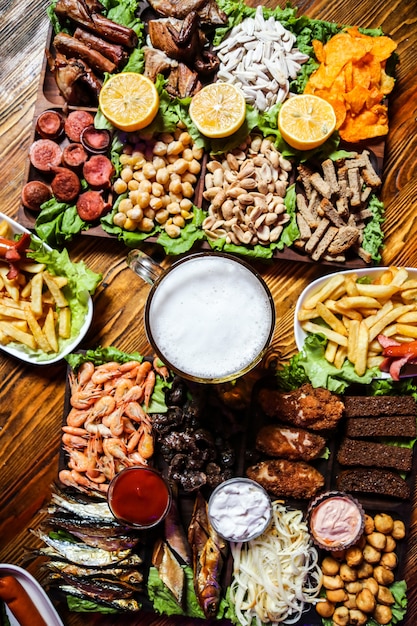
(210, 317)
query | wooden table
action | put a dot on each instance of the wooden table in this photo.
(32, 397)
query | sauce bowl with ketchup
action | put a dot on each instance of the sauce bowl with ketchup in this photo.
(139, 496)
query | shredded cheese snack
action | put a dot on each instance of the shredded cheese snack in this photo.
(276, 574)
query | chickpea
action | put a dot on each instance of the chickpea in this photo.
(180, 166)
(398, 529)
(186, 204)
(119, 186)
(383, 523)
(162, 176)
(119, 219)
(365, 601)
(383, 576)
(125, 205)
(382, 614)
(389, 560)
(135, 214)
(354, 556)
(146, 225)
(148, 170)
(160, 148)
(175, 148)
(172, 230)
(161, 216)
(330, 566)
(188, 177)
(384, 595)
(369, 525)
(145, 186)
(178, 220)
(336, 595)
(332, 582)
(391, 544)
(130, 224)
(156, 203)
(187, 190)
(377, 540)
(371, 554)
(157, 189)
(371, 584)
(187, 154)
(185, 138)
(341, 616)
(348, 574)
(173, 208)
(139, 175)
(357, 617)
(133, 185)
(143, 199)
(325, 608)
(158, 162)
(126, 174)
(175, 186)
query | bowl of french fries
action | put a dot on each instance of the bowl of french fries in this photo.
(39, 322)
(355, 309)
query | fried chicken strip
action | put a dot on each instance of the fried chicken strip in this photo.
(291, 479)
(295, 444)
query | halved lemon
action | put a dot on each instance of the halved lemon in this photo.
(218, 109)
(306, 121)
(130, 101)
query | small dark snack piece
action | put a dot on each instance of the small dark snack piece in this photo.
(306, 407)
(374, 454)
(98, 171)
(45, 154)
(50, 124)
(65, 185)
(75, 124)
(91, 205)
(34, 194)
(295, 444)
(291, 479)
(378, 482)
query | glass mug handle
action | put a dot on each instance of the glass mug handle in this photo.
(144, 266)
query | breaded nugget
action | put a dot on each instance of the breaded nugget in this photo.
(295, 444)
(291, 479)
(306, 407)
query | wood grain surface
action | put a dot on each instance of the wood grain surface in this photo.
(32, 398)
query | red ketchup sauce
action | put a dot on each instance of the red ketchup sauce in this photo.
(139, 496)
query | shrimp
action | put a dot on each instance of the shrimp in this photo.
(104, 406)
(122, 387)
(146, 445)
(135, 412)
(84, 398)
(72, 430)
(133, 441)
(135, 393)
(115, 447)
(160, 369)
(74, 441)
(149, 387)
(105, 372)
(85, 371)
(143, 371)
(76, 417)
(116, 423)
(77, 460)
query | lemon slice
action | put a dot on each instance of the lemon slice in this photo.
(130, 101)
(218, 110)
(306, 121)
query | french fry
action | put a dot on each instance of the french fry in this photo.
(340, 357)
(64, 323)
(331, 319)
(392, 316)
(4, 229)
(36, 330)
(36, 286)
(325, 292)
(55, 290)
(407, 330)
(12, 312)
(330, 352)
(49, 330)
(362, 349)
(377, 291)
(350, 284)
(373, 319)
(311, 327)
(17, 335)
(359, 302)
(352, 340)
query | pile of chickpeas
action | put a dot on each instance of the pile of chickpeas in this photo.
(159, 176)
(357, 580)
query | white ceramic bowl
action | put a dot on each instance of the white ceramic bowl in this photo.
(35, 591)
(300, 334)
(21, 354)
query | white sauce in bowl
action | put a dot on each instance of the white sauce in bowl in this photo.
(239, 509)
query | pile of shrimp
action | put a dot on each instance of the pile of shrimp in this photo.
(108, 427)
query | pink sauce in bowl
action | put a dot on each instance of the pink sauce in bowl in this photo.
(336, 520)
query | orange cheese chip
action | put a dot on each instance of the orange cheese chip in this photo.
(351, 76)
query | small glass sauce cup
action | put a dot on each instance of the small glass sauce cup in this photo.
(139, 497)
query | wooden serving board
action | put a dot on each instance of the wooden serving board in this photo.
(49, 97)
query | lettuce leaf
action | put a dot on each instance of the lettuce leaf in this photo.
(319, 371)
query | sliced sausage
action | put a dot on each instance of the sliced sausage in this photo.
(75, 124)
(65, 185)
(91, 205)
(98, 171)
(34, 194)
(74, 155)
(50, 124)
(96, 140)
(44, 154)
(19, 602)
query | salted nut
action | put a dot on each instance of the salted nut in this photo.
(246, 190)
